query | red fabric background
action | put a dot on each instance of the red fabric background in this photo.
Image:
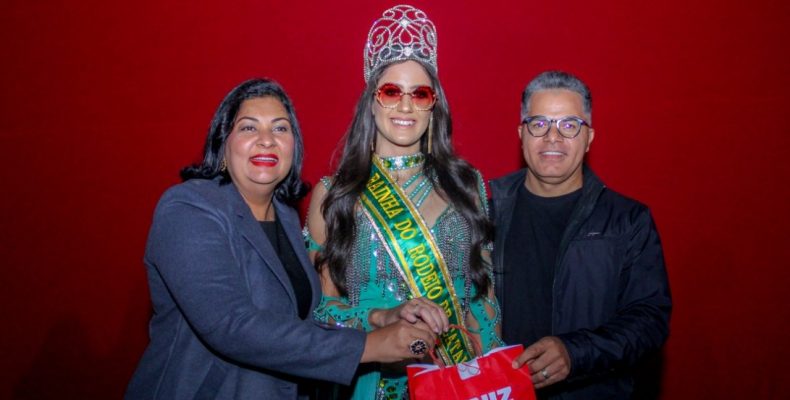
(102, 103)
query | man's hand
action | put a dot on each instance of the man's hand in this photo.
(548, 361)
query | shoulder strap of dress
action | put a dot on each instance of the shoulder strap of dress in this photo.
(327, 182)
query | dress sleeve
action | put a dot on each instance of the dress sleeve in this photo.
(309, 241)
(484, 320)
(485, 317)
(488, 247)
(337, 311)
(481, 190)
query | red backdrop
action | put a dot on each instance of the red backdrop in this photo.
(102, 103)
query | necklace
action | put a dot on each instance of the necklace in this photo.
(401, 163)
(398, 163)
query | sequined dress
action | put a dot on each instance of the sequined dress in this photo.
(373, 282)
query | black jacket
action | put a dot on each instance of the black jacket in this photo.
(610, 297)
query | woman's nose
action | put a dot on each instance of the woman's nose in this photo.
(405, 104)
(265, 138)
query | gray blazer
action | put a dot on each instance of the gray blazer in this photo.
(225, 323)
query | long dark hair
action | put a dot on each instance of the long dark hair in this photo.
(455, 179)
(292, 188)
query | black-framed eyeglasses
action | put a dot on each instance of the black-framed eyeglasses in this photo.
(568, 127)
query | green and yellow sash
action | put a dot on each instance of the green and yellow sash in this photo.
(412, 248)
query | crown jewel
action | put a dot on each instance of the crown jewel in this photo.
(402, 33)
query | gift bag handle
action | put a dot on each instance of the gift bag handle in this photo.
(475, 343)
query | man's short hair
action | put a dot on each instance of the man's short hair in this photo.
(557, 80)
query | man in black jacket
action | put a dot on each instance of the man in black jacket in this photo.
(579, 268)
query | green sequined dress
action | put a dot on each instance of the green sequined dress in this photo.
(374, 282)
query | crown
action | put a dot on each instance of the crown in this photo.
(402, 33)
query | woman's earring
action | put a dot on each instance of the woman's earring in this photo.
(430, 134)
(223, 166)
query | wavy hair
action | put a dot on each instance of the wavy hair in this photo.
(454, 178)
(292, 188)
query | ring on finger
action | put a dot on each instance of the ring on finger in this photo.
(544, 374)
(418, 347)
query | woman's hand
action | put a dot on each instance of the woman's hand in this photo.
(414, 310)
(399, 341)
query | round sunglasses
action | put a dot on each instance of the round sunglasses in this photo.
(389, 95)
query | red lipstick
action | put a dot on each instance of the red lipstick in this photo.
(264, 160)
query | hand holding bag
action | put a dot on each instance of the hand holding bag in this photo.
(487, 377)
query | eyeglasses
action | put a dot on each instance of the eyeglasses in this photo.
(389, 95)
(568, 127)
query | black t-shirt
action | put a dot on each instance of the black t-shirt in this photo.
(530, 257)
(274, 231)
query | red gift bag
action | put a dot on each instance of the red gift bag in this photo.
(488, 377)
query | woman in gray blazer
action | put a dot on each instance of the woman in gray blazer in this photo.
(231, 285)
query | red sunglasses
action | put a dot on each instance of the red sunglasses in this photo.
(390, 94)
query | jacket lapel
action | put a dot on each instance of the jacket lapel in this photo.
(504, 206)
(290, 223)
(251, 230)
(592, 187)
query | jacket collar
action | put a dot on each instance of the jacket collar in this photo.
(250, 229)
(592, 187)
(505, 190)
(509, 184)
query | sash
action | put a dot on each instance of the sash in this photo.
(411, 247)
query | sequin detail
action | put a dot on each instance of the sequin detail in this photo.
(373, 282)
(398, 163)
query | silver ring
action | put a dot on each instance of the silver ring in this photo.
(418, 347)
(545, 374)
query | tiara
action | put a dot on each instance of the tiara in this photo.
(402, 33)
